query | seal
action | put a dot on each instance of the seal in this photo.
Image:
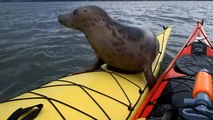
(123, 47)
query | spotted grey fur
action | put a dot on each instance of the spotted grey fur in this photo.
(123, 47)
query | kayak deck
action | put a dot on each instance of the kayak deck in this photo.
(94, 95)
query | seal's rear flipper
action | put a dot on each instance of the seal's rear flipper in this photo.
(150, 78)
(95, 66)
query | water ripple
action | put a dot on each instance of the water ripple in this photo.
(35, 49)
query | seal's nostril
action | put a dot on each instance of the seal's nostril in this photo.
(59, 16)
(75, 12)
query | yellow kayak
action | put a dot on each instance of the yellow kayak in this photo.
(95, 95)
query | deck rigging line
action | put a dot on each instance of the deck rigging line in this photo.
(129, 106)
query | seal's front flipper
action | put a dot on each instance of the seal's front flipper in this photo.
(150, 78)
(95, 66)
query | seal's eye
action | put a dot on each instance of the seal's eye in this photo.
(85, 10)
(75, 12)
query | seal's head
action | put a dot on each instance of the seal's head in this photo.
(82, 17)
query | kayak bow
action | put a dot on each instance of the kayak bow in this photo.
(168, 98)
